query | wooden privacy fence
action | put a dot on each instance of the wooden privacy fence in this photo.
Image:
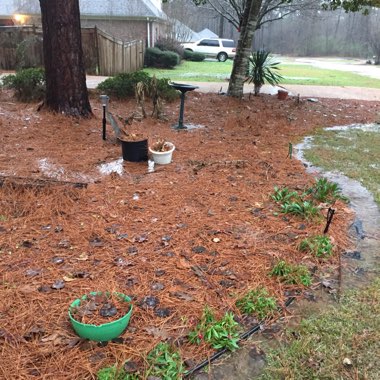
(116, 56)
(103, 54)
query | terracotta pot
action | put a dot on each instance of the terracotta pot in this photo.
(282, 94)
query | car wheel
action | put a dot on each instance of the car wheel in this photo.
(222, 57)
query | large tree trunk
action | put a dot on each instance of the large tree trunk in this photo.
(66, 90)
(244, 48)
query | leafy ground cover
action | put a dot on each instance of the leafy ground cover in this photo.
(202, 231)
(213, 71)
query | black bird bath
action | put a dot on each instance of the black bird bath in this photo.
(183, 88)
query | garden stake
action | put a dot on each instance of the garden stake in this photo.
(104, 100)
(330, 215)
(290, 151)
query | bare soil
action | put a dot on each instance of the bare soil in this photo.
(199, 231)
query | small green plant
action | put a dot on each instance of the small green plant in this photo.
(258, 302)
(219, 334)
(304, 208)
(291, 274)
(164, 363)
(262, 69)
(326, 191)
(284, 195)
(29, 84)
(114, 373)
(319, 246)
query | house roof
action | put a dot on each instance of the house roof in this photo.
(92, 8)
(184, 33)
(207, 33)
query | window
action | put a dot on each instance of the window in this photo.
(209, 43)
(229, 44)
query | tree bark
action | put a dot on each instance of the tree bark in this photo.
(66, 90)
(244, 48)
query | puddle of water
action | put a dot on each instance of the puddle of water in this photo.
(373, 127)
(118, 167)
(51, 170)
(58, 172)
(188, 127)
(112, 167)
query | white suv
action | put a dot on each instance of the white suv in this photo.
(218, 48)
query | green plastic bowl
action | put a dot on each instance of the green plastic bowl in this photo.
(104, 332)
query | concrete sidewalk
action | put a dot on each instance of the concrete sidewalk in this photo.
(358, 93)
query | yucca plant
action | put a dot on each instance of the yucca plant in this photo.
(262, 69)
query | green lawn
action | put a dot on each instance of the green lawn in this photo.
(353, 152)
(213, 71)
(340, 344)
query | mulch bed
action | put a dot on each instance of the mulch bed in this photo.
(199, 231)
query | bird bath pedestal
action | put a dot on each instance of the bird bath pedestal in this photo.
(183, 88)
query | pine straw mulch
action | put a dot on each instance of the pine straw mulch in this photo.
(147, 234)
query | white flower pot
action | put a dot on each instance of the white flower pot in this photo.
(163, 158)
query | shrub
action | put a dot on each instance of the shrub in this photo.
(155, 57)
(193, 56)
(169, 44)
(165, 91)
(29, 84)
(123, 85)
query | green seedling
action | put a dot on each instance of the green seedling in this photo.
(284, 195)
(319, 246)
(219, 334)
(164, 363)
(305, 209)
(114, 373)
(258, 302)
(326, 191)
(291, 274)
